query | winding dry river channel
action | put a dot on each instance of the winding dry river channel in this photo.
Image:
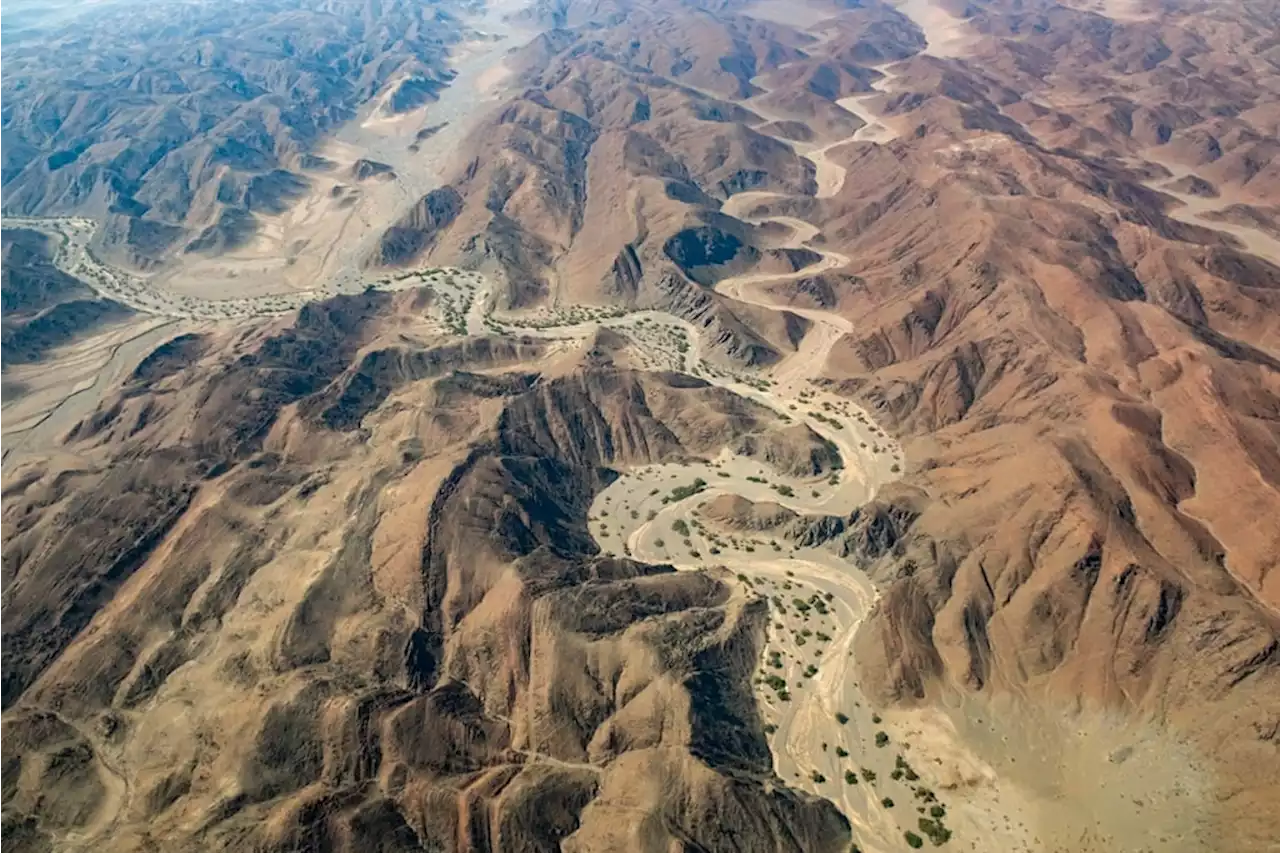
(822, 730)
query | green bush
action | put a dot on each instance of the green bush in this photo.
(937, 833)
(882, 739)
(842, 717)
(914, 841)
(681, 492)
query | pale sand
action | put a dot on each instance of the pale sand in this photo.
(947, 37)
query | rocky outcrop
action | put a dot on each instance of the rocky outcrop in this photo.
(418, 230)
(363, 170)
(43, 307)
(795, 450)
(166, 149)
(447, 649)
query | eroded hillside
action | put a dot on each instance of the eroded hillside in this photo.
(854, 425)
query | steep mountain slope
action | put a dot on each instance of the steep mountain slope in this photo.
(43, 306)
(175, 117)
(327, 581)
(1087, 363)
(413, 639)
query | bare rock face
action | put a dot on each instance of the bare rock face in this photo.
(737, 512)
(178, 155)
(406, 240)
(363, 170)
(337, 607)
(795, 450)
(44, 307)
(324, 581)
(696, 249)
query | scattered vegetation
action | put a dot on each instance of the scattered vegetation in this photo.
(937, 833)
(680, 493)
(834, 423)
(842, 717)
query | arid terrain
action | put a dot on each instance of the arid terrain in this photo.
(701, 425)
